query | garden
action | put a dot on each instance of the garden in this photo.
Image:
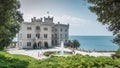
(79, 61)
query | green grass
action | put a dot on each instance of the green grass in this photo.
(32, 61)
(65, 55)
(22, 61)
(8, 61)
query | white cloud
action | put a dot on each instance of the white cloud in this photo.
(78, 26)
(70, 19)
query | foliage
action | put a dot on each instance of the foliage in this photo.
(10, 19)
(69, 43)
(107, 12)
(46, 44)
(76, 44)
(51, 53)
(117, 39)
(48, 53)
(118, 51)
(34, 45)
(78, 61)
(32, 61)
(7, 61)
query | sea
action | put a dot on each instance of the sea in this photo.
(101, 43)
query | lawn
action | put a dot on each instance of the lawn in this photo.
(31, 61)
(8, 61)
(79, 61)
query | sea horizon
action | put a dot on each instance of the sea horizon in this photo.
(101, 43)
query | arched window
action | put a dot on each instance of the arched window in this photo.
(37, 27)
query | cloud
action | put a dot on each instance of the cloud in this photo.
(70, 19)
(78, 26)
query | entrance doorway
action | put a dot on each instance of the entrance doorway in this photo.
(39, 45)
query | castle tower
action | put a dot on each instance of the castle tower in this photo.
(48, 19)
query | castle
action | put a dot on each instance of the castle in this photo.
(41, 31)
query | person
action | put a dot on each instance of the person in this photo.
(41, 53)
(73, 51)
(38, 54)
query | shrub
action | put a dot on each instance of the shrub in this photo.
(76, 44)
(78, 61)
(48, 53)
(34, 45)
(7, 61)
(46, 44)
(118, 51)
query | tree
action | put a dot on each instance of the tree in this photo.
(10, 19)
(46, 44)
(76, 44)
(34, 45)
(69, 43)
(108, 12)
(117, 39)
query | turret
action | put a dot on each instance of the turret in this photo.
(48, 19)
(36, 20)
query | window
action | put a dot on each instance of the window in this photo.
(55, 30)
(38, 35)
(52, 36)
(52, 29)
(45, 35)
(29, 28)
(55, 35)
(52, 42)
(61, 35)
(61, 30)
(65, 30)
(65, 40)
(37, 27)
(56, 42)
(28, 44)
(45, 29)
(28, 35)
(65, 35)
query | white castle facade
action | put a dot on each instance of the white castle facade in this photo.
(40, 31)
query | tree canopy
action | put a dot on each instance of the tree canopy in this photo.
(76, 44)
(108, 12)
(117, 39)
(10, 19)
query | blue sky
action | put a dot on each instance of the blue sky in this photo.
(74, 12)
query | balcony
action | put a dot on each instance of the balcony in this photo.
(37, 30)
(55, 37)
